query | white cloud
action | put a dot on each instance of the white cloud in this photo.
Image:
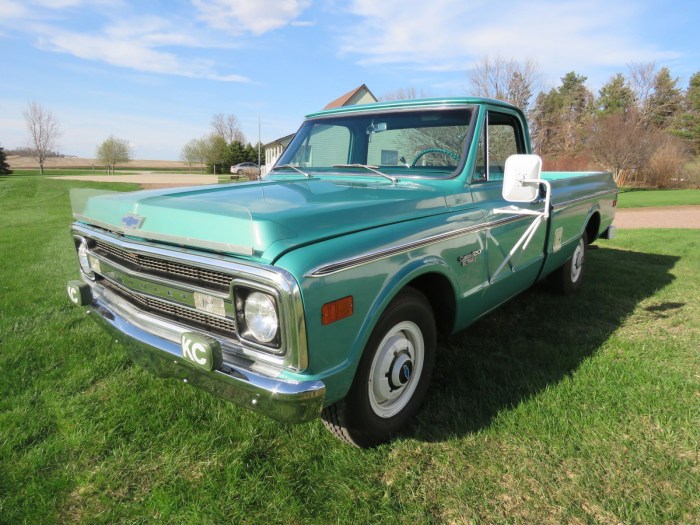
(257, 16)
(444, 35)
(134, 47)
(40, 9)
(11, 10)
(130, 41)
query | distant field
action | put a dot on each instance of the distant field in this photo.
(639, 198)
(29, 163)
(550, 410)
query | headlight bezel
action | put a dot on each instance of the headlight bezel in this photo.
(242, 290)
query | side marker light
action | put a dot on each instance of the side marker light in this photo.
(337, 310)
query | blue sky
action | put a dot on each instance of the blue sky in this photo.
(154, 72)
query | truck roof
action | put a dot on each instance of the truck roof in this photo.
(414, 103)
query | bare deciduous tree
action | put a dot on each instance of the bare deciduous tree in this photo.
(620, 146)
(408, 93)
(113, 151)
(43, 129)
(641, 79)
(190, 154)
(503, 79)
(199, 150)
(666, 162)
(228, 127)
(215, 148)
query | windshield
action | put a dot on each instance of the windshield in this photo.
(425, 142)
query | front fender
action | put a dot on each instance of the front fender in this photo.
(408, 273)
(335, 350)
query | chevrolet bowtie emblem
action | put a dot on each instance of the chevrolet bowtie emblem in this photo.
(132, 221)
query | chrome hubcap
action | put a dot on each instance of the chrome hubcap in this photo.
(577, 262)
(396, 369)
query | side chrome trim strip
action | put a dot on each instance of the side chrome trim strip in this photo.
(366, 258)
(566, 204)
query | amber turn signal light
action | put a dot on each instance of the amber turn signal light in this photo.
(336, 310)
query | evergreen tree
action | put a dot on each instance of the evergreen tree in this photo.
(561, 118)
(616, 97)
(687, 123)
(577, 110)
(519, 92)
(254, 148)
(665, 102)
(545, 122)
(235, 154)
(251, 153)
(4, 166)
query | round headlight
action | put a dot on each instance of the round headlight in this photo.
(261, 316)
(83, 258)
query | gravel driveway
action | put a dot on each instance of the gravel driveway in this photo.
(666, 217)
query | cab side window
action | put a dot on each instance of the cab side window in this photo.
(502, 139)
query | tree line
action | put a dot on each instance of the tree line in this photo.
(44, 130)
(216, 152)
(641, 125)
(224, 147)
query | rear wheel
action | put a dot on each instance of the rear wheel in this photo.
(393, 375)
(567, 278)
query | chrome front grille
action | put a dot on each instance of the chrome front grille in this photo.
(167, 289)
(213, 280)
(223, 326)
(163, 287)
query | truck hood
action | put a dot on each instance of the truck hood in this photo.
(260, 220)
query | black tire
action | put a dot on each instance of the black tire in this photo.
(239, 172)
(567, 279)
(379, 404)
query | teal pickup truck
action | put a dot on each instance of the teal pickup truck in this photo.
(322, 288)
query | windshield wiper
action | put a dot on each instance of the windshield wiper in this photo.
(370, 168)
(292, 167)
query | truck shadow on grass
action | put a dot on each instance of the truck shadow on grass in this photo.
(534, 341)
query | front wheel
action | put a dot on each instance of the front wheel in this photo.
(393, 375)
(567, 278)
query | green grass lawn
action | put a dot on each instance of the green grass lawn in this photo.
(638, 198)
(550, 410)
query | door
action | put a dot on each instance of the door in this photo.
(502, 136)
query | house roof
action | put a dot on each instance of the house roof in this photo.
(283, 141)
(351, 97)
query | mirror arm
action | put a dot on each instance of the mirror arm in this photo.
(530, 232)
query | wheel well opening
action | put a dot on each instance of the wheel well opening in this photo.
(593, 227)
(438, 290)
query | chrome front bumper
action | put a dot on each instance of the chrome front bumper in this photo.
(288, 401)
